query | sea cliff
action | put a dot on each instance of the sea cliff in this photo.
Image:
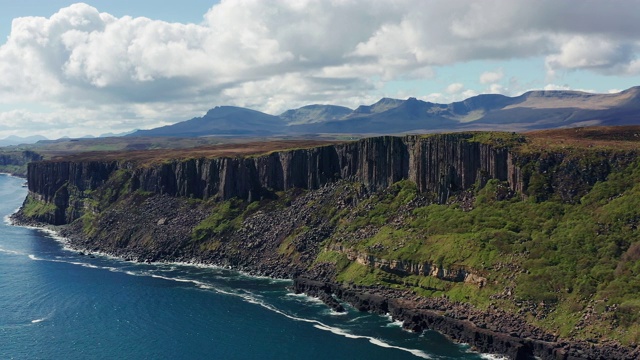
(440, 165)
(15, 162)
(464, 219)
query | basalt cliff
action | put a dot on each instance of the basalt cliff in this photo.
(490, 238)
(15, 162)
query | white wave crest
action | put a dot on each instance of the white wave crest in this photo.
(493, 357)
(12, 252)
(199, 284)
(321, 326)
(396, 323)
(305, 298)
(375, 341)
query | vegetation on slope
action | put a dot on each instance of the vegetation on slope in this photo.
(35, 209)
(564, 253)
(571, 268)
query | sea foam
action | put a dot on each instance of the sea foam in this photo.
(335, 330)
(493, 357)
(12, 252)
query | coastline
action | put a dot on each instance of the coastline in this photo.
(68, 244)
(54, 232)
(490, 331)
(487, 332)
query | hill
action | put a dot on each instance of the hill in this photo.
(529, 111)
(17, 140)
(314, 114)
(221, 120)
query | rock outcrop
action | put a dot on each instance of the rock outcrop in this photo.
(405, 267)
(490, 331)
(439, 164)
(15, 162)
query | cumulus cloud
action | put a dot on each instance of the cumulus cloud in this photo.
(452, 92)
(556, 87)
(594, 52)
(489, 77)
(454, 88)
(496, 89)
(285, 53)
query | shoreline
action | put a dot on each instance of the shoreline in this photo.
(492, 332)
(462, 324)
(54, 233)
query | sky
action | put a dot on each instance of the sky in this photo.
(110, 66)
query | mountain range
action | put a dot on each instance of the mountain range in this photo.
(17, 140)
(529, 111)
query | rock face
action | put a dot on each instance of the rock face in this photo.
(15, 162)
(440, 164)
(19, 158)
(405, 267)
(490, 331)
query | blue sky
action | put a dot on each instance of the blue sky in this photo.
(111, 66)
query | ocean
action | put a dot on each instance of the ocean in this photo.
(56, 303)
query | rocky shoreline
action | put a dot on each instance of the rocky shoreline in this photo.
(492, 331)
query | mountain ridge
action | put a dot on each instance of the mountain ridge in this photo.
(532, 110)
(18, 140)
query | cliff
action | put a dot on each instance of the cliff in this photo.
(441, 165)
(15, 162)
(438, 164)
(532, 224)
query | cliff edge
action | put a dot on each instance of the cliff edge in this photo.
(518, 244)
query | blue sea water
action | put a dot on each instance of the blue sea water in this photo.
(58, 304)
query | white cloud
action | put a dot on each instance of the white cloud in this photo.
(466, 94)
(592, 52)
(284, 53)
(496, 89)
(489, 77)
(556, 87)
(454, 88)
(552, 87)
(453, 92)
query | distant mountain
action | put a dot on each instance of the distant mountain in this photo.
(553, 109)
(17, 140)
(381, 106)
(110, 134)
(221, 120)
(314, 114)
(387, 116)
(531, 110)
